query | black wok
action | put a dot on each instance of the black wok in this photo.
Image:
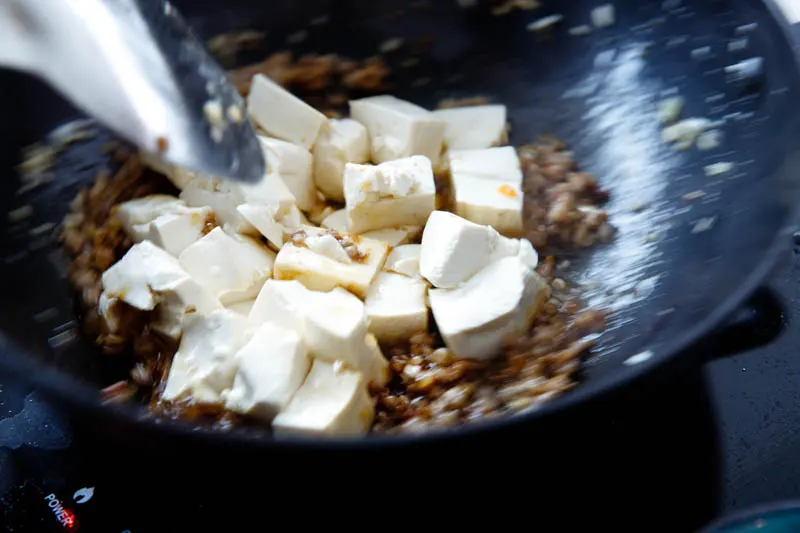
(677, 269)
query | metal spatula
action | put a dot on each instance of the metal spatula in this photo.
(135, 66)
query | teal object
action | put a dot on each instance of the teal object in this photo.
(783, 519)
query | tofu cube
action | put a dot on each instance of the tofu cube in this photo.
(487, 185)
(265, 217)
(394, 236)
(496, 305)
(331, 402)
(271, 368)
(474, 127)
(404, 260)
(454, 249)
(388, 195)
(293, 219)
(333, 325)
(293, 165)
(396, 307)
(336, 221)
(340, 141)
(488, 202)
(398, 129)
(205, 364)
(500, 164)
(224, 206)
(233, 268)
(320, 272)
(281, 114)
(175, 232)
(243, 308)
(137, 213)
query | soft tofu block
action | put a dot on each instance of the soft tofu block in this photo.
(499, 164)
(340, 141)
(265, 217)
(224, 206)
(331, 402)
(141, 211)
(204, 365)
(493, 307)
(175, 232)
(336, 221)
(388, 195)
(394, 236)
(487, 186)
(243, 308)
(271, 368)
(396, 307)
(473, 127)
(281, 114)
(293, 164)
(333, 325)
(232, 267)
(320, 272)
(148, 278)
(404, 260)
(489, 202)
(453, 249)
(141, 274)
(398, 129)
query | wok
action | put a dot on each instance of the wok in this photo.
(677, 268)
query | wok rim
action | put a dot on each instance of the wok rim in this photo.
(84, 398)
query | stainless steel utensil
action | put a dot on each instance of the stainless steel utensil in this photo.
(135, 66)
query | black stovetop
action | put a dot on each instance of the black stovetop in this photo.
(701, 445)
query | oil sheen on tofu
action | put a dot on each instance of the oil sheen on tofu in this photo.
(284, 321)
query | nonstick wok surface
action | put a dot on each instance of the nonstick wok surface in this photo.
(668, 283)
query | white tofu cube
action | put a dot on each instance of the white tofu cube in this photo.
(293, 219)
(332, 324)
(281, 114)
(336, 221)
(331, 402)
(335, 327)
(271, 368)
(322, 273)
(398, 128)
(474, 127)
(603, 16)
(108, 307)
(340, 141)
(243, 308)
(499, 164)
(184, 297)
(388, 195)
(175, 232)
(396, 307)
(454, 249)
(224, 206)
(293, 165)
(143, 272)
(205, 365)
(265, 218)
(496, 305)
(141, 211)
(233, 268)
(490, 202)
(404, 260)
(394, 236)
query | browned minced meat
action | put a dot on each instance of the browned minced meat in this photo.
(428, 386)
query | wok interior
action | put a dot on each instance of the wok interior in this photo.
(598, 93)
